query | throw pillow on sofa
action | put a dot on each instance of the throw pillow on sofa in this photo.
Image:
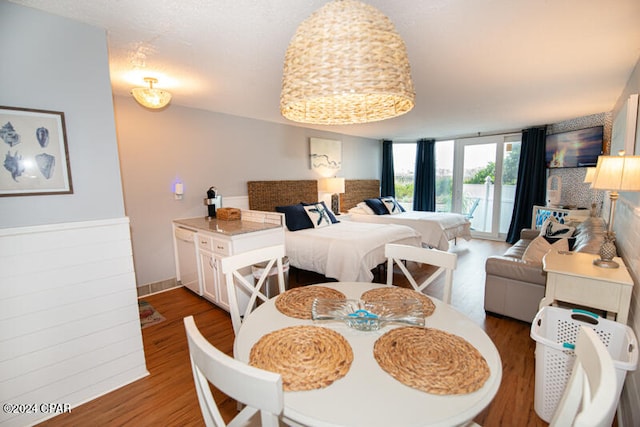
(552, 228)
(539, 247)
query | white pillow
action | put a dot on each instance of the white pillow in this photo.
(357, 210)
(553, 228)
(556, 229)
(539, 247)
(391, 205)
(550, 220)
(367, 210)
(318, 215)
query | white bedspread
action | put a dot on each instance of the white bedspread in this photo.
(436, 228)
(346, 251)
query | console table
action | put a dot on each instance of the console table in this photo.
(572, 278)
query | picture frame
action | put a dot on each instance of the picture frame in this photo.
(326, 156)
(36, 155)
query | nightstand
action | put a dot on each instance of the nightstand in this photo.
(572, 278)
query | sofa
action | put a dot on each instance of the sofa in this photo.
(515, 281)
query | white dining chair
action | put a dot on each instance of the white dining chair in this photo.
(445, 261)
(237, 268)
(590, 397)
(259, 390)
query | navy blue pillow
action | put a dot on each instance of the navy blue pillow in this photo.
(295, 217)
(377, 206)
(571, 241)
(332, 217)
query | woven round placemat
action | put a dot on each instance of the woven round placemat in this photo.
(395, 293)
(431, 360)
(307, 357)
(297, 302)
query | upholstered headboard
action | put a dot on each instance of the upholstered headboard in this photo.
(356, 190)
(266, 195)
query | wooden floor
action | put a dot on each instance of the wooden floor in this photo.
(167, 396)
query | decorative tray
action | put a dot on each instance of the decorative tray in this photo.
(371, 315)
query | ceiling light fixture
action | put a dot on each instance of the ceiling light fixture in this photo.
(346, 64)
(151, 97)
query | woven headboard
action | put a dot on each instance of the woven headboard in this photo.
(266, 195)
(356, 190)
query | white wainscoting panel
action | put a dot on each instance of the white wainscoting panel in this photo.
(69, 322)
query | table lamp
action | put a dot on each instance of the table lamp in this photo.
(334, 186)
(614, 173)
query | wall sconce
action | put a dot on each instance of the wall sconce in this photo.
(335, 186)
(151, 97)
(614, 173)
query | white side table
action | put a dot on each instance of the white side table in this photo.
(572, 278)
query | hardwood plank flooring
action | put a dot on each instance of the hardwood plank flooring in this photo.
(167, 396)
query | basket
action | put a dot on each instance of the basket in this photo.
(555, 331)
(228, 214)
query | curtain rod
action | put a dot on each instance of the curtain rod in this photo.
(466, 136)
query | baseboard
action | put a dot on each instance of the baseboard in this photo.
(158, 287)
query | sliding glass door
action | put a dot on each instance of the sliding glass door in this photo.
(466, 171)
(486, 170)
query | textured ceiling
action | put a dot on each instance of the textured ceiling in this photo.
(478, 66)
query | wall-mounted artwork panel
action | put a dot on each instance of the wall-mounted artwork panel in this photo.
(326, 156)
(36, 157)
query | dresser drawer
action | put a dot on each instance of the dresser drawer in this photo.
(217, 246)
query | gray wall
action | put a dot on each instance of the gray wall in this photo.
(52, 63)
(203, 149)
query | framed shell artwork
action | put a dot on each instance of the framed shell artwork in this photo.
(36, 156)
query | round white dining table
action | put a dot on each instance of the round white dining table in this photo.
(368, 396)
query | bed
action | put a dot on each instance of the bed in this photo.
(436, 228)
(346, 250)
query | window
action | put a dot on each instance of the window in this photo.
(466, 171)
(404, 165)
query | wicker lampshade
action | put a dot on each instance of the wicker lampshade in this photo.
(346, 64)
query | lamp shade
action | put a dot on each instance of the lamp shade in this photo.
(332, 185)
(151, 97)
(591, 172)
(346, 64)
(617, 173)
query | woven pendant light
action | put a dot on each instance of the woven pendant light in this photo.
(346, 64)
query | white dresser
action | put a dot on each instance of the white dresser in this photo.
(215, 239)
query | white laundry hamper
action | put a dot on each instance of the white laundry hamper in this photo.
(555, 331)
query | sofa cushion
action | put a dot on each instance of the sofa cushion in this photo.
(518, 248)
(539, 247)
(515, 269)
(590, 235)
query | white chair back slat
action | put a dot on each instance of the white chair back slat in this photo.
(445, 261)
(260, 390)
(237, 268)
